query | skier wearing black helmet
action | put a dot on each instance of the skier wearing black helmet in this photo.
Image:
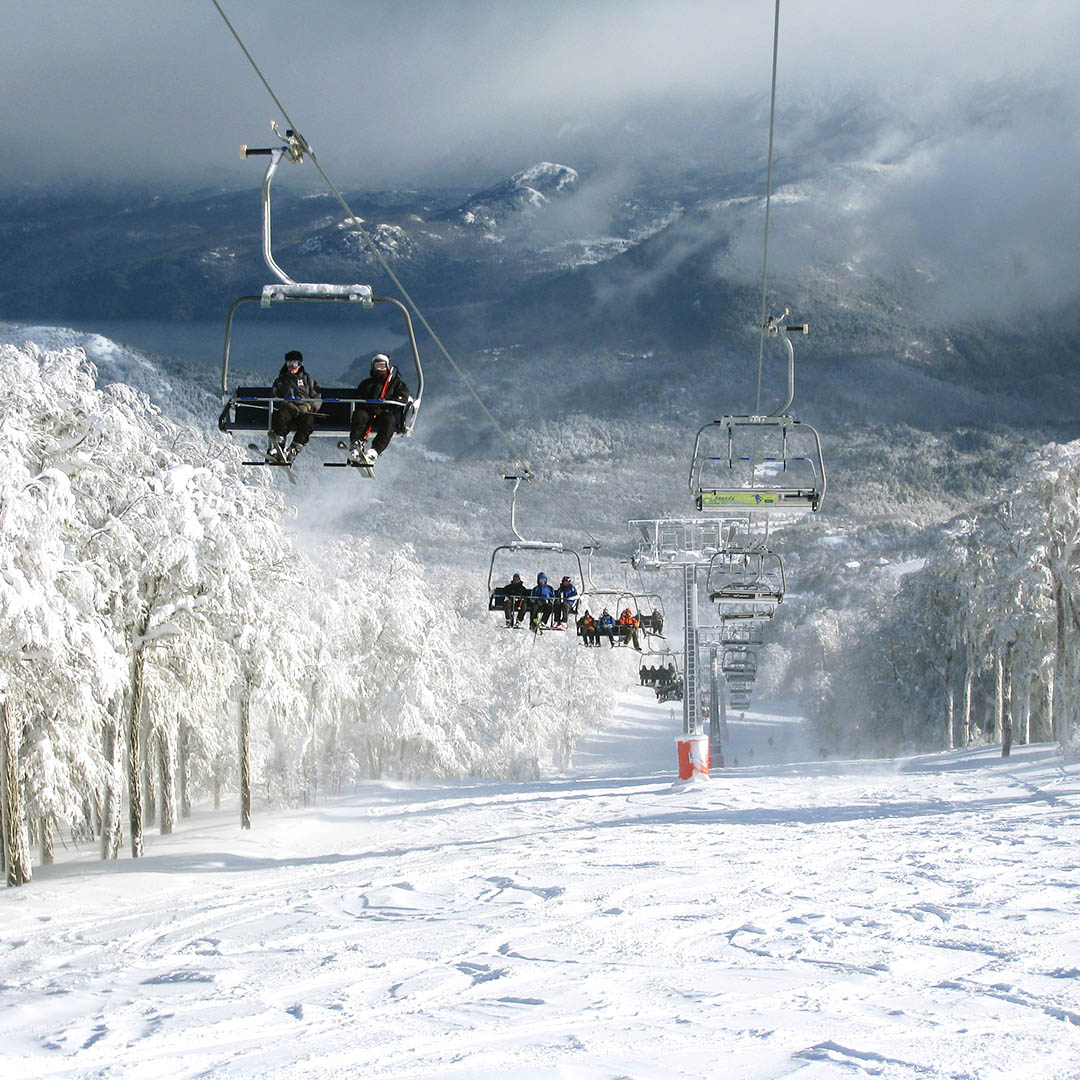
(297, 413)
(383, 384)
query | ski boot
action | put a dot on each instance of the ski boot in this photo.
(275, 451)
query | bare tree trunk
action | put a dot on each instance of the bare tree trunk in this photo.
(969, 684)
(1024, 706)
(150, 737)
(1048, 706)
(16, 851)
(111, 826)
(245, 757)
(134, 733)
(46, 840)
(185, 771)
(168, 788)
(950, 704)
(999, 696)
(1060, 718)
(311, 757)
(1006, 705)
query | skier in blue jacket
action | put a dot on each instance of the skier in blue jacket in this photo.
(541, 601)
(564, 602)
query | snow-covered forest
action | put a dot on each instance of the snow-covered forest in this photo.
(168, 638)
(165, 640)
(973, 640)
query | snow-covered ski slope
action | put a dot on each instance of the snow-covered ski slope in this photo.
(795, 917)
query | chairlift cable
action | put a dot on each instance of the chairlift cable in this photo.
(355, 222)
(768, 206)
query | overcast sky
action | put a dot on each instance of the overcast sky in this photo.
(960, 119)
(392, 90)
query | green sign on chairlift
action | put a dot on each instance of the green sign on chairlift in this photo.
(739, 498)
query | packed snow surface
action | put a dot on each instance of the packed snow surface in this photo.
(794, 916)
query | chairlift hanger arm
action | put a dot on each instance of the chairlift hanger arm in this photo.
(773, 325)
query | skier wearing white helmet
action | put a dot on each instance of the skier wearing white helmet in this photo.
(374, 418)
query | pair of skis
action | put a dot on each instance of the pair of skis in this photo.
(351, 463)
(269, 458)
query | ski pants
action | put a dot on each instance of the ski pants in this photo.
(512, 605)
(380, 422)
(541, 609)
(289, 416)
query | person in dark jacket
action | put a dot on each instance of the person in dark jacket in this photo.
(297, 414)
(514, 596)
(383, 384)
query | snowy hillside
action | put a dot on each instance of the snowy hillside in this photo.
(794, 917)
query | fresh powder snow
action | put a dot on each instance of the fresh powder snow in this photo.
(793, 916)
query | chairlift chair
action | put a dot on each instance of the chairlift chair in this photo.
(250, 409)
(742, 632)
(751, 574)
(595, 600)
(760, 464)
(739, 661)
(671, 542)
(567, 558)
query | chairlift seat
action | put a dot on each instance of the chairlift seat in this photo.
(783, 473)
(761, 594)
(250, 410)
(791, 500)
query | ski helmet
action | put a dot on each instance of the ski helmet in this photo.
(541, 577)
(294, 356)
(380, 363)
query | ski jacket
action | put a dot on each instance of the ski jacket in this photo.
(298, 385)
(587, 622)
(542, 592)
(607, 622)
(567, 592)
(390, 388)
(628, 620)
(514, 589)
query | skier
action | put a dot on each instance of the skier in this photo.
(296, 414)
(514, 601)
(383, 384)
(628, 629)
(565, 603)
(606, 625)
(587, 629)
(541, 602)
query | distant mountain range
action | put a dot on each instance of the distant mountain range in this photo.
(550, 261)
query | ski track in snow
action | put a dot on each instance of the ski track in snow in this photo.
(901, 919)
